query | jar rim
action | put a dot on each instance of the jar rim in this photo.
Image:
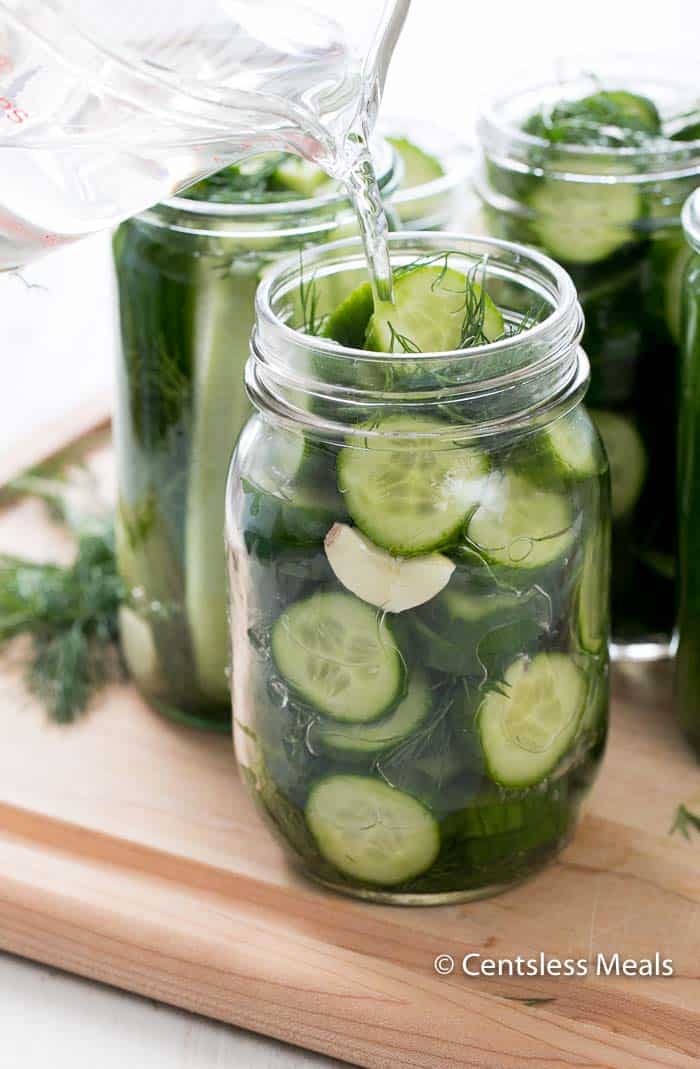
(567, 304)
(319, 214)
(660, 158)
(286, 362)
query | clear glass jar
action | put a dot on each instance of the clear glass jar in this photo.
(381, 742)
(687, 667)
(187, 273)
(611, 216)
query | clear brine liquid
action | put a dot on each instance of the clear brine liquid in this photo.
(105, 111)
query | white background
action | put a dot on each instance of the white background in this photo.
(57, 349)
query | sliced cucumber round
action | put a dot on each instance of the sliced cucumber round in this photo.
(347, 323)
(391, 583)
(435, 309)
(626, 458)
(367, 740)
(583, 222)
(419, 167)
(573, 445)
(340, 656)
(290, 492)
(519, 525)
(370, 831)
(412, 495)
(630, 111)
(299, 176)
(528, 724)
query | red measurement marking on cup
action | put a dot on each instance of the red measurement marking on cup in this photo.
(9, 109)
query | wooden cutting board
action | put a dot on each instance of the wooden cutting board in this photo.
(130, 854)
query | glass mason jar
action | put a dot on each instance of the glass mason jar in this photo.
(187, 272)
(687, 667)
(611, 216)
(392, 746)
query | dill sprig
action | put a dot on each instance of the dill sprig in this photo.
(250, 181)
(312, 321)
(70, 612)
(530, 319)
(405, 344)
(474, 306)
(685, 822)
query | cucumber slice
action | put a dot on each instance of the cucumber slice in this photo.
(139, 649)
(580, 222)
(631, 111)
(573, 445)
(291, 498)
(340, 656)
(528, 724)
(413, 495)
(370, 831)
(419, 167)
(367, 740)
(430, 311)
(594, 593)
(391, 583)
(223, 320)
(299, 176)
(347, 324)
(626, 458)
(519, 525)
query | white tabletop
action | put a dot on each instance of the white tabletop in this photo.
(57, 350)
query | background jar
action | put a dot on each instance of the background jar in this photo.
(187, 272)
(612, 217)
(502, 422)
(687, 667)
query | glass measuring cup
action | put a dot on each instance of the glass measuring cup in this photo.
(104, 111)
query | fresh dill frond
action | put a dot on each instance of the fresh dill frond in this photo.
(474, 306)
(312, 321)
(685, 822)
(70, 612)
(251, 181)
(530, 319)
(72, 496)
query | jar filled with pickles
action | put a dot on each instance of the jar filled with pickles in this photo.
(187, 272)
(592, 165)
(417, 521)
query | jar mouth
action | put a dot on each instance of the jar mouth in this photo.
(667, 83)
(387, 166)
(530, 367)
(277, 283)
(691, 220)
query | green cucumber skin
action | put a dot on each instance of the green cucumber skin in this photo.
(224, 314)
(287, 665)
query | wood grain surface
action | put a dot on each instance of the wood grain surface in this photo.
(129, 853)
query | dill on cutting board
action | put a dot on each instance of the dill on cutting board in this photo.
(70, 612)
